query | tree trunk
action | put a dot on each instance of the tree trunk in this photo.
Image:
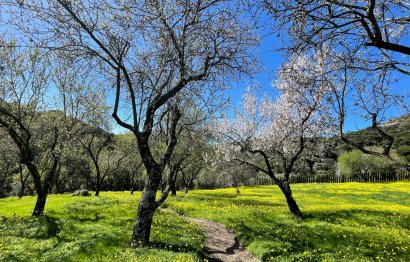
(97, 184)
(40, 203)
(21, 191)
(41, 192)
(146, 209)
(293, 206)
(22, 183)
(132, 189)
(172, 181)
(173, 189)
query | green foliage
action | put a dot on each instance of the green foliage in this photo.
(399, 128)
(405, 152)
(355, 164)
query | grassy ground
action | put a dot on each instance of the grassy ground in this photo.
(344, 222)
(91, 229)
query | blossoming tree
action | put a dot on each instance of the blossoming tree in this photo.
(271, 136)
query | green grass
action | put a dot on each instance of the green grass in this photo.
(344, 222)
(91, 229)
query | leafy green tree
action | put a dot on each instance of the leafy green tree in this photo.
(356, 164)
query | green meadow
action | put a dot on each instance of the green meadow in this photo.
(344, 222)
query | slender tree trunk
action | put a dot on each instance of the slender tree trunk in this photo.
(173, 188)
(98, 181)
(146, 209)
(22, 188)
(97, 189)
(132, 189)
(293, 206)
(172, 183)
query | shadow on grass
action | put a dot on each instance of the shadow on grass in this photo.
(42, 227)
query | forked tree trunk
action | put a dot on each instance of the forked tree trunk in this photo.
(146, 209)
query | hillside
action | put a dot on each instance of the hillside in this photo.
(399, 128)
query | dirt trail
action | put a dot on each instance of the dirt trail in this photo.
(221, 244)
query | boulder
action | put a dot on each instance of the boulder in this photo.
(81, 192)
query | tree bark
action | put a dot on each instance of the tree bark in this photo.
(97, 189)
(146, 209)
(292, 205)
(172, 179)
(173, 188)
(40, 203)
(98, 180)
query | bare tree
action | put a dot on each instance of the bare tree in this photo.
(367, 43)
(152, 51)
(376, 31)
(356, 93)
(94, 140)
(23, 84)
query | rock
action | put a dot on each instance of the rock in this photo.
(81, 192)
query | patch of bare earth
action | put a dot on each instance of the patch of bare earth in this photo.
(221, 244)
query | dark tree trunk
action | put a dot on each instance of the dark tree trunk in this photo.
(40, 203)
(22, 181)
(148, 203)
(172, 182)
(132, 189)
(42, 187)
(22, 189)
(98, 181)
(41, 191)
(293, 206)
(173, 189)
(146, 209)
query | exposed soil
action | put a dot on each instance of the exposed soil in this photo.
(221, 244)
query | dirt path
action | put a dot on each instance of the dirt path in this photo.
(222, 245)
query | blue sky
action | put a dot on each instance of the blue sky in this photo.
(271, 61)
